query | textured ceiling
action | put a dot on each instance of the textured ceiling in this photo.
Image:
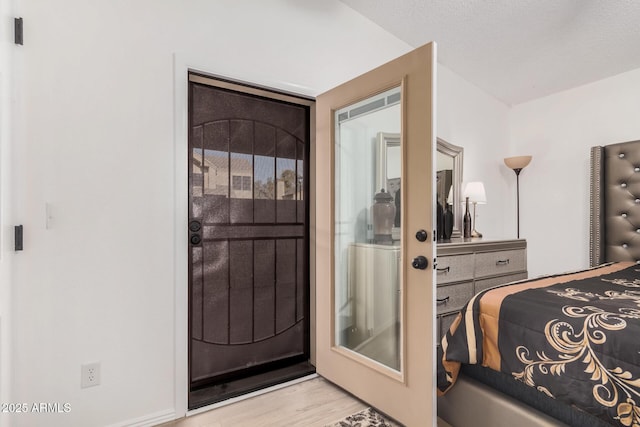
(518, 50)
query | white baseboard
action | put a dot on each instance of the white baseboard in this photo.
(148, 420)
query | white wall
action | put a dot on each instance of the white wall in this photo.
(468, 117)
(558, 131)
(97, 145)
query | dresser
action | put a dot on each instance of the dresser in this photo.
(374, 287)
(468, 266)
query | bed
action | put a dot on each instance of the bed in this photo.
(563, 349)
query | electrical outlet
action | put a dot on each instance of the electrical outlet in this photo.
(90, 374)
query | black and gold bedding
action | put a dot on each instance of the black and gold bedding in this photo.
(574, 337)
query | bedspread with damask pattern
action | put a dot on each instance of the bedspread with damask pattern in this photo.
(574, 337)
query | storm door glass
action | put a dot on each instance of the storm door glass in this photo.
(367, 215)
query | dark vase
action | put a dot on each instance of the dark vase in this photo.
(396, 222)
(466, 222)
(440, 222)
(447, 223)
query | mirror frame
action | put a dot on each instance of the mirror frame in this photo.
(455, 152)
(385, 140)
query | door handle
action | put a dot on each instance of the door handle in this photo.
(419, 262)
(440, 301)
(422, 235)
(195, 226)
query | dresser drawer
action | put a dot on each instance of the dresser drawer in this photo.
(483, 284)
(454, 268)
(500, 262)
(453, 297)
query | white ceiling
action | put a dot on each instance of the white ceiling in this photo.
(518, 50)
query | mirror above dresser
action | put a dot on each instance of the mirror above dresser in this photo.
(449, 184)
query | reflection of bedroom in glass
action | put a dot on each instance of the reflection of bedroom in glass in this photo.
(389, 171)
(367, 281)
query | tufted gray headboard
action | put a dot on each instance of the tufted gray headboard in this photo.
(615, 203)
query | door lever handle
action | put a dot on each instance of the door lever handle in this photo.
(419, 262)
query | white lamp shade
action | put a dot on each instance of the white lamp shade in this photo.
(475, 192)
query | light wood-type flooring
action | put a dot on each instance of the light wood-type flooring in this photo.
(312, 403)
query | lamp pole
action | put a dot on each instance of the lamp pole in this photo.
(517, 171)
(517, 164)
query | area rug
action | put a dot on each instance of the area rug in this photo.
(365, 418)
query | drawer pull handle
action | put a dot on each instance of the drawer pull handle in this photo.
(440, 301)
(443, 270)
(502, 261)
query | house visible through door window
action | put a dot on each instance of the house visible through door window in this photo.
(241, 183)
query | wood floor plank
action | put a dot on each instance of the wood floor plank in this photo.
(312, 403)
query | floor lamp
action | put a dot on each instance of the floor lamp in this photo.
(517, 164)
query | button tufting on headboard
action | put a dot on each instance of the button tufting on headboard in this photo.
(621, 201)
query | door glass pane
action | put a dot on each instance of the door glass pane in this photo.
(196, 172)
(286, 178)
(367, 229)
(286, 188)
(264, 189)
(197, 166)
(241, 176)
(215, 171)
(241, 201)
(264, 178)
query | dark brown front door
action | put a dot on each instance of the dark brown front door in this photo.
(249, 248)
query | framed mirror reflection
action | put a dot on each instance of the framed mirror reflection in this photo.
(389, 156)
(448, 180)
(448, 190)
